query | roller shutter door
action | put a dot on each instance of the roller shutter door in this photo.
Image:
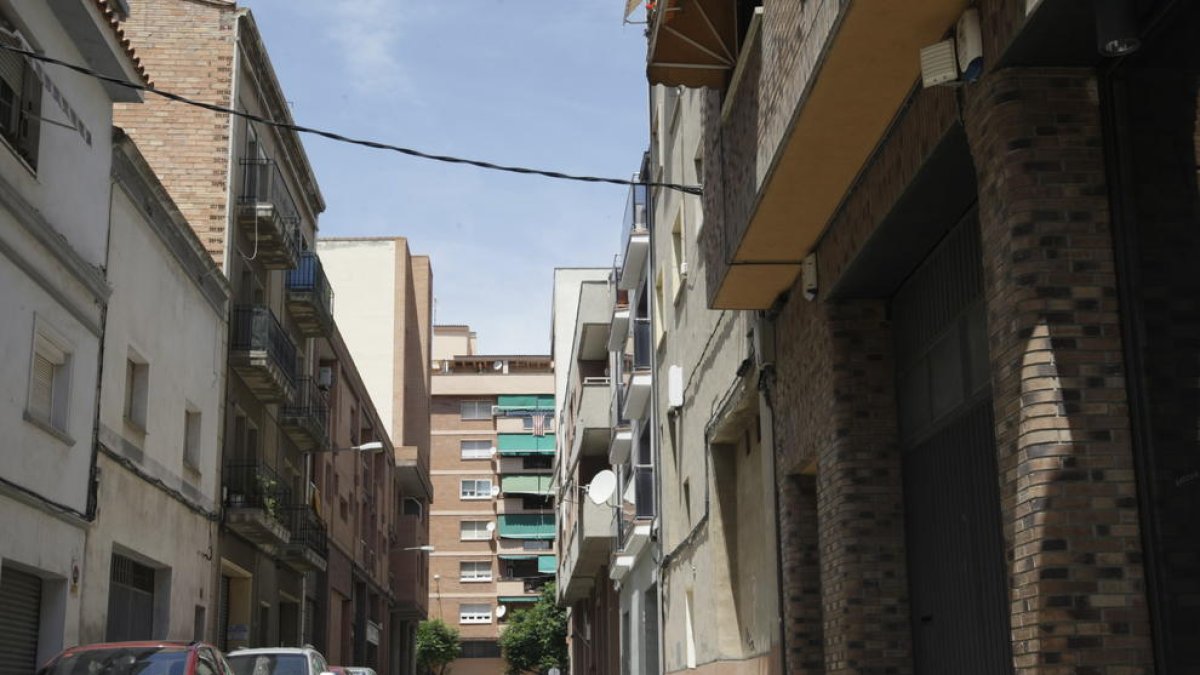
(20, 617)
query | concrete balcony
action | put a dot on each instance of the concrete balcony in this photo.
(310, 297)
(593, 321)
(305, 419)
(409, 586)
(637, 388)
(262, 353)
(308, 548)
(636, 236)
(254, 505)
(592, 428)
(412, 471)
(267, 215)
(586, 551)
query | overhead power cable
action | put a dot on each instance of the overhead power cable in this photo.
(687, 189)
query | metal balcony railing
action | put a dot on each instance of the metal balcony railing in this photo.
(309, 404)
(263, 183)
(255, 328)
(307, 529)
(635, 211)
(642, 343)
(309, 277)
(253, 485)
(643, 491)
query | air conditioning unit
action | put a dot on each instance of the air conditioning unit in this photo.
(325, 378)
(683, 270)
(497, 411)
(675, 387)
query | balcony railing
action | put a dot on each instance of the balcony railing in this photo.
(262, 352)
(310, 297)
(253, 485)
(642, 343)
(306, 418)
(268, 213)
(307, 529)
(635, 211)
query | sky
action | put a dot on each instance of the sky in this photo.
(556, 85)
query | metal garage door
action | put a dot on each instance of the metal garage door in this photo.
(951, 495)
(130, 601)
(20, 616)
(223, 614)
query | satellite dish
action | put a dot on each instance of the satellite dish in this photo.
(498, 365)
(491, 527)
(492, 451)
(501, 611)
(495, 490)
(602, 487)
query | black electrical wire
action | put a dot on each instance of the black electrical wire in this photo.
(687, 189)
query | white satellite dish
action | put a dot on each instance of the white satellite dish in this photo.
(495, 490)
(602, 487)
(501, 610)
(497, 365)
(492, 451)
(491, 527)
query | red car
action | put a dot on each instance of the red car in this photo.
(139, 658)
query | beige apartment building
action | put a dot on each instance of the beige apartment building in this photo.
(493, 526)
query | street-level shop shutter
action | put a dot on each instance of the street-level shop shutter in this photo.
(20, 617)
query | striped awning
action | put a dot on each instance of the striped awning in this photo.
(514, 403)
(526, 485)
(526, 525)
(513, 556)
(508, 599)
(516, 445)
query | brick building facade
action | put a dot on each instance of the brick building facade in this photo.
(975, 471)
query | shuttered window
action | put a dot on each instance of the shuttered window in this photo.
(20, 98)
(41, 387)
(49, 384)
(21, 600)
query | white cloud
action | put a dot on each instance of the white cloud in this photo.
(368, 34)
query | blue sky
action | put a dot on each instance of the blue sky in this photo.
(557, 84)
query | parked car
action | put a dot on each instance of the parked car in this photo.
(277, 661)
(139, 658)
(355, 670)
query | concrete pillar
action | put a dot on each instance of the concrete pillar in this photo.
(1067, 489)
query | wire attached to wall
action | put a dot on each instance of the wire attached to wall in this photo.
(449, 159)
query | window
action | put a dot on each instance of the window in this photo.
(535, 544)
(476, 449)
(473, 530)
(678, 257)
(476, 410)
(537, 462)
(20, 101)
(137, 385)
(49, 381)
(471, 613)
(537, 502)
(191, 439)
(547, 422)
(475, 570)
(475, 489)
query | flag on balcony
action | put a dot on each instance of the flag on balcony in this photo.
(539, 424)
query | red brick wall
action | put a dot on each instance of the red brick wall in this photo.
(1062, 428)
(188, 48)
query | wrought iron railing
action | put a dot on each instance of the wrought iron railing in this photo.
(307, 529)
(255, 328)
(309, 402)
(263, 183)
(253, 485)
(309, 277)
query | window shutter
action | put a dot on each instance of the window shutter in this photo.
(41, 389)
(12, 70)
(30, 126)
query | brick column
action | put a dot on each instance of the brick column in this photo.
(1067, 488)
(864, 586)
(801, 566)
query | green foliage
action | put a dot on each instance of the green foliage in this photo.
(535, 639)
(437, 645)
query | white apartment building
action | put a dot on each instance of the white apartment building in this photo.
(55, 190)
(161, 396)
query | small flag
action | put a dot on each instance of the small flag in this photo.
(539, 425)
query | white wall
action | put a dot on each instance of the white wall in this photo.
(157, 311)
(363, 275)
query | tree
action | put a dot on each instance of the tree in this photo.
(437, 646)
(535, 639)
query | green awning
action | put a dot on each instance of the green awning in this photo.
(526, 485)
(511, 445)
(514, 403)
(512, 556)
(518, 598)
(527, 525)
(547, 564)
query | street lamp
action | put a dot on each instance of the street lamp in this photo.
(427, 548)
(370, 447)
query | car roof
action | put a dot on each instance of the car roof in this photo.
(271, 650)
(143, 644)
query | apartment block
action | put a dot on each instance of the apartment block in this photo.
(56, 139)
(973, 315)
(493, 528)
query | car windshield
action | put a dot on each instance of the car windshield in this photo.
(121, 661)
(268, 664)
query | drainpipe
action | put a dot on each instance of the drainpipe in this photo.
(764, 350)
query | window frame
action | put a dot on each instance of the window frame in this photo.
(475, 455)
(477, 577)
(462, 531)
(193, 435)
(24, 137)
(463, 495)
(465, 617)
(476, 415)
(51, 346)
